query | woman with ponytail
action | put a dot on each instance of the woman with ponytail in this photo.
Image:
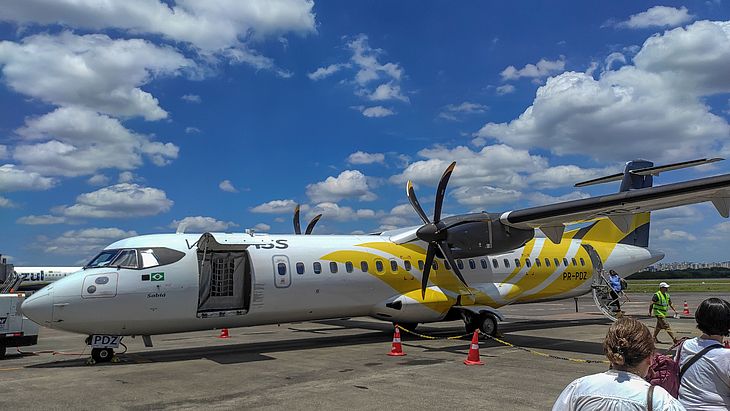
(628, 346)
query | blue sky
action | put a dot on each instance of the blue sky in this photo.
(132, 118)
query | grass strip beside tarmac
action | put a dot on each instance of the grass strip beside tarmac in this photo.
(680, 286)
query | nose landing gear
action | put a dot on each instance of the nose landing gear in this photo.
(102, 354)
(103, 348)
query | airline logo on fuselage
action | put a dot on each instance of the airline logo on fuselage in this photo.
(278, 244)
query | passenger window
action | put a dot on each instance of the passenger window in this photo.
(317, 267)
(379, 266)
(506, 263)
(582, 262)
(527, 263)
(420, 265)
(537, 262)
(565, 262)
(393, 266)
(484, 264)
(348, 266)
(574, 263)
(281, 267)
(126, 259)
(167, 256)
(148, 258)
(364, 266)
(300, 268)
(472, 264)
(333, 267)
(407, 265)
(517, 262)
(460, 264)
(557, 262)
(494, 263)
(547, 262)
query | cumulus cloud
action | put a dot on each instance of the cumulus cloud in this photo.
(276, 207)
(85, 241)
(333, 211)
(97, 72)
(505, 89)
(76, 141)
(98, 180)
(227, 186)
(366, 60)
(192, 130)
(361, 157)
(126, 177)
(496, 165)
(13, 178)
(376, 111)
(387, 91)
(41, 219)
(676, 235)
(324, 72)
(484, 196)
(208, 26)
(191, 98)
(350, 184)
(455, 112)
(657, 16)
(118, 201)
(201, 224)
(542, 198)
(653, 109)
(262, 227)
(6, 203)
(3, 152)
(566, 175)
(542, 69)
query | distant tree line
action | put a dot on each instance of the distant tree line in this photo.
(715, 272)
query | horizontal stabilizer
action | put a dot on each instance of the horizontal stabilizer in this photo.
(649, 171)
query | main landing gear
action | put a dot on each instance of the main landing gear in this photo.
(485, 322)
(99, 355)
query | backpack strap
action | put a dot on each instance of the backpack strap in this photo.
(650, 399)
(695, 358)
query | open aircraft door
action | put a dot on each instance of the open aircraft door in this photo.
(224, 278)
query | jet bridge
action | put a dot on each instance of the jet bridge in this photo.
(225, 277)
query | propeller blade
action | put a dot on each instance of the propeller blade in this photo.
(311, 224)
(297, 227)
(441, 192)
(430, 254)
(450, 258)
(414, 202)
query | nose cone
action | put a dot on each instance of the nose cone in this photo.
(39, 308)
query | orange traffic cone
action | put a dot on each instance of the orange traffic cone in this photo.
(224, 333)
(686, 308)
(396, 349)
(727, 343)
(473, 357)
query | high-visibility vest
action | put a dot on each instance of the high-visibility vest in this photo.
(662, 305)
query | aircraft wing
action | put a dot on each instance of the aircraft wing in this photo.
(619, 207)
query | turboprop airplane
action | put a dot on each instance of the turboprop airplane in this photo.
(461, 267)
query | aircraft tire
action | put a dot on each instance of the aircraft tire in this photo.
(488, 324)
(102, 354)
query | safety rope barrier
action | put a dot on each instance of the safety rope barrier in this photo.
(500, 341)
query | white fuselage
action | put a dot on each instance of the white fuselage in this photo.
(166, 298)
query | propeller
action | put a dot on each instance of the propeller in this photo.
(310, 226)
(434, 233)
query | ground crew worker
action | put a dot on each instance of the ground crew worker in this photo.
(660, 303)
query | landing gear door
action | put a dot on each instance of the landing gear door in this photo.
(282, 272)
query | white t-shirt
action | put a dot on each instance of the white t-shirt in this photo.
(613, 391)
(706, 384)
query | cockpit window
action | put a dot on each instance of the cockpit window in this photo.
(126, 259)
(136, 258)
(103, 259)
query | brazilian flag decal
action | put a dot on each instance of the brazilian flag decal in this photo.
(157, 276)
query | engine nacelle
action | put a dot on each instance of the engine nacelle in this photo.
(403, 309)
(473, 235)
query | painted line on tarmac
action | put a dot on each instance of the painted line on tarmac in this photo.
(11, 369)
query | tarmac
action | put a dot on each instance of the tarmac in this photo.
(332, 364)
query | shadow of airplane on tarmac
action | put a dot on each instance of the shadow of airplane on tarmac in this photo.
(377, 333)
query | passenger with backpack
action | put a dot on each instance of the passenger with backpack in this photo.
(704, 382)
(628, 346)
